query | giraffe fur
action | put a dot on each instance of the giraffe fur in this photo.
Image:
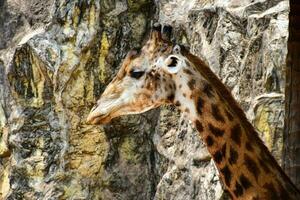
(163, 73)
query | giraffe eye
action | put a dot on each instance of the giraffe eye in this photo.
(136, 74)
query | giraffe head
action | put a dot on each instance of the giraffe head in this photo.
(144, 81)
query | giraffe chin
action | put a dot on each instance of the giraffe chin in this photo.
(97, 120)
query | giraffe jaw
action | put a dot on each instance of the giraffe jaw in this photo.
(97, 116)
(94, 118)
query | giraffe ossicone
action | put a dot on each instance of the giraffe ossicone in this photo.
(164, 73)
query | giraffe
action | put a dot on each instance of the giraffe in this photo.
(165, 73)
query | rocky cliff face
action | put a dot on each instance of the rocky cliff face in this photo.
(56, 58)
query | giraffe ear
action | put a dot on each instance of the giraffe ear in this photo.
(156, 32)
(167, 32)
(173, 64)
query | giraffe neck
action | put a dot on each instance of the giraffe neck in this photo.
(246, 167)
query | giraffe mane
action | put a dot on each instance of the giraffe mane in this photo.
(224, 92)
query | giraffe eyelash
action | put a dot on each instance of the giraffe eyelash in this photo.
(136, 74)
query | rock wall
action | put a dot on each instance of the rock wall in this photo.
(56, 58)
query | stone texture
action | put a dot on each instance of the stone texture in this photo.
(56, 58)
(190, 172)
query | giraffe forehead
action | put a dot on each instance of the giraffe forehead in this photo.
(142, 63)
(145, 59)
(157, 47)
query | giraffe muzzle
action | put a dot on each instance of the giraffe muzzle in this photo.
(101, 113)
(94, 118)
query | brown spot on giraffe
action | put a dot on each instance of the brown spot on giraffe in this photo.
(199, 106)
(271, 191)
(192, 84)
(218, 156)
(233, 156)
(171, 97)
(249, 146)
(177, 103)
(236, 134)
(199, 126)
(223, 149)
(208, 90)
(174, 86)
(252, 166)
(264, 166)
(238, 191)
(227, 175)
(209, 141)
(215, 130)
(245, 182)
(229, 115)
(216, 113)
(187, 110)
(187, 71)
(187, 63)
(156, 76)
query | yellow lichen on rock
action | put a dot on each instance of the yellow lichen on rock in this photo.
(262, 124)
(80, 87)
(67, 30)
(70, 59)
(35, 171)
(2, 118)
(4, 166)
(76, 15)
(127, 150)
(102, 57)
(37, 82)
(4, 182)
(89, 89)
(72, 190)
(92, 18)
(4, 150)
(138, 24)
(89, 152)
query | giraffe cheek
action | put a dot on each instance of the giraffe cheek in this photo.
(145, 98)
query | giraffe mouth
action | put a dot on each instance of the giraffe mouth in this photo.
(98, 119)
